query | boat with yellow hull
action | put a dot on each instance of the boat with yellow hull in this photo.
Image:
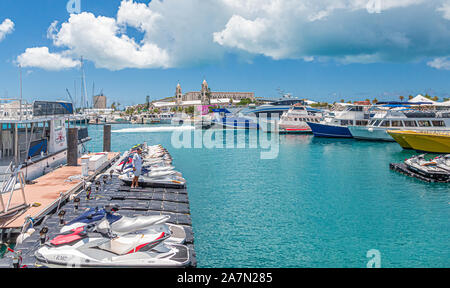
(433, 142)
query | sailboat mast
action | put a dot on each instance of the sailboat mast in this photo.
(21, 96)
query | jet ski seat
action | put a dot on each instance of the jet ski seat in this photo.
(70, 237)
(127, 225)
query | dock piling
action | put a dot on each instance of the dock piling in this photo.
(72, 147)
(107, 138)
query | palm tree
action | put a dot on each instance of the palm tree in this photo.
(401, 98)
(375, 101)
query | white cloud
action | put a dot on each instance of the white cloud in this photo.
(445, 9)
(40, 57)
(175, 33)
(6, 27)
(440, 63)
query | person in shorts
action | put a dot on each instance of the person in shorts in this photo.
(137, 168)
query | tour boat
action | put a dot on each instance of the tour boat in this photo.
(395, 119)
(336, 124)
(34, 137)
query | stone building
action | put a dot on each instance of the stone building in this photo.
(99, 101)
(205, 95)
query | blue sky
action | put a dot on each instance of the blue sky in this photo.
(321, 51)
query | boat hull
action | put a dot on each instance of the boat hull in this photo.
(370, 133)
(426, 142)
(329, 131)
(236, 124)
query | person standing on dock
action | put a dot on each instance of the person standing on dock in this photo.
(137, 168)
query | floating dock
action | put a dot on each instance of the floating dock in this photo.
(403, 169)
(108, 189)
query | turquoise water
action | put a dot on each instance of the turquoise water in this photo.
(320, 203)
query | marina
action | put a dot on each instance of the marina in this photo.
(164, 190)
(227, 134)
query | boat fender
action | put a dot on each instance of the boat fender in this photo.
(25, 235)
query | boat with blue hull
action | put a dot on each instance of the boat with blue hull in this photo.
(336, 124)
(332, 131)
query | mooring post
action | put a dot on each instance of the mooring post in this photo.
(72, 147)
(107, 138)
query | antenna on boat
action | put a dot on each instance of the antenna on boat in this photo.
(83, 85)
(21, 96)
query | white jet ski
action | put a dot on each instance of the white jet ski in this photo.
(123, 225)
(167, 181)
(85, 247)
(433, 169)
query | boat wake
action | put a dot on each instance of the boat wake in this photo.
(155, 129)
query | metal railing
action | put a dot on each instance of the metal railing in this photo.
(10, 181)
(15, 110)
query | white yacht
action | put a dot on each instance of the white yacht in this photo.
(293, 121)
(336, 124)
(34, 137)
(401, 119)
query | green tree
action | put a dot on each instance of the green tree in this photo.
(189, 110)
(244, 102)
(401, 98)
(147, 101)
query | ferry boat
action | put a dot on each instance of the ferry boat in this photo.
(275, 109)
(426, 141)
(164, 118)
(396, 119)
(34, 137)
(293, 121)
(336, 124)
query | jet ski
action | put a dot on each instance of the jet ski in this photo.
(428, 168)
(165, 181)
(90, 246)
(158, 167)
(123, 225)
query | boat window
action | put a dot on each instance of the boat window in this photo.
(295, 119)
(438, 123)
(410, 123)
(424, 123)
(376, 123)
(397, 123)
(346, 122)
(386, 124)
(361, 122)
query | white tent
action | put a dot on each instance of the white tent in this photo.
(419, 99)
(446, 103)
